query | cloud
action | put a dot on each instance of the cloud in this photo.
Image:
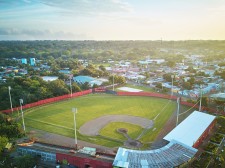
(78, 7)
(27, 34)
(89, 6)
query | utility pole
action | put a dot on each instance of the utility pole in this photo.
(200, 104)
(21, 102)
(178, 109)
(74, 111)
(10, 99)
(172, 76)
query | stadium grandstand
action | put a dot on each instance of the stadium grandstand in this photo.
(173, 154)
(193, 130)
(181, 147)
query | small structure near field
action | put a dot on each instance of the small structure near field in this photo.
(128, 89)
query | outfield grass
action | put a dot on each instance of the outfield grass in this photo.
(58, 118)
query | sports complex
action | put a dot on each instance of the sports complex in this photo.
(127, 121)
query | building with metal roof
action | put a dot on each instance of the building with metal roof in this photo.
(171, 155)
(190, 131)
(183, 141)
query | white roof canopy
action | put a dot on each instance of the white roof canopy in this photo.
(189, 130)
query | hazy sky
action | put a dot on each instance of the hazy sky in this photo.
(112, 19)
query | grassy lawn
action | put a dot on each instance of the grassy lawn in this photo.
(58, 118)
(111, 130)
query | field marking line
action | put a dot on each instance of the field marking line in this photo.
(147, 128)
(156, 117)
(162, 110)
(60, 126)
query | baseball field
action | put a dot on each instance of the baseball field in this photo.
(99, 116)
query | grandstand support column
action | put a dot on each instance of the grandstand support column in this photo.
(10, 99)
(21, 109)
(178, 109)
(200, 103)
(74, 111)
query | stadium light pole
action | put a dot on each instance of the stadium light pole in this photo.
(200, 104)
(70, 86)
(178, 109)
(21, 109)
(172, 76)
(113, 82)
(74, 111)
(10, 98)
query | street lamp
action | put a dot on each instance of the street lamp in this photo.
(10, 98)
(21, 102)
(200, 104)
(172, 76)
(74, 111)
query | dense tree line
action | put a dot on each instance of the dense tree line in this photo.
(31, 90)
(117, 50)
(9, 131)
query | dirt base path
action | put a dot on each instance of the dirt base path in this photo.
(93, 127)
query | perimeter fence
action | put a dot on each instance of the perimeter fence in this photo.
(50, 100)
(101, 89)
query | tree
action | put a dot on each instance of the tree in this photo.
(186, 85)
(117, 79)
(190, 69)
(220, 103)
(25, 161)
(75, 87)
(204, 101)
(167, 77)
(58, 87)
(121, 80)
(191, 80)
(62, 76)
(3, 141)
(159, 85)
(101, 67)
(85, 86)
(171, 64)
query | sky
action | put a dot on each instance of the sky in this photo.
(112, 19)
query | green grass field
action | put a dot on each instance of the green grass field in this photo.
(58, 118)
(111, 130)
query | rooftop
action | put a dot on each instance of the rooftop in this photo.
(173, 154)
(189, 131)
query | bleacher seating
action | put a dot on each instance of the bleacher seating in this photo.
(171, 155)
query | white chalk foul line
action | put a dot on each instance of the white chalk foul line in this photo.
(60, 126)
